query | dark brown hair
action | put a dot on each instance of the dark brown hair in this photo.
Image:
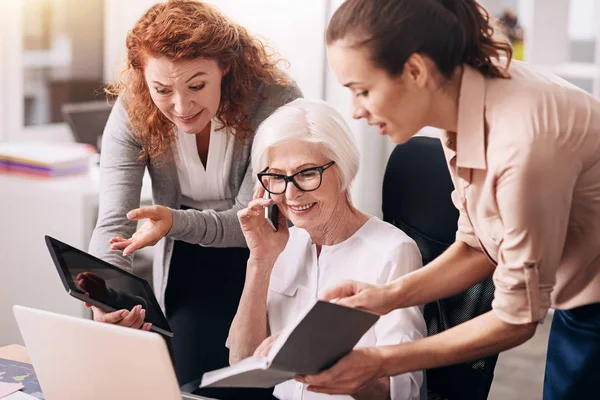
(449, 32)
(185, 30)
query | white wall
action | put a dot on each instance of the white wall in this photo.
(3, 62)
(294, 29)
(496, 7)
(86, 35)
(11, 106)
(583, 23)
(119, 18)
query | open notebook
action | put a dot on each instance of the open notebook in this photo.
(319, 338)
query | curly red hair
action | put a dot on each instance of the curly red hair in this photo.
(184, 30)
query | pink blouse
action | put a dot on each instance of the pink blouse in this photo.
(526, 169)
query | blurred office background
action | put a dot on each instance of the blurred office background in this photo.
(56, 54)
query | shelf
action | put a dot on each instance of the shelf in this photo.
(45, 59)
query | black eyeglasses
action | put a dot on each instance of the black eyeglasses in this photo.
(306, 180)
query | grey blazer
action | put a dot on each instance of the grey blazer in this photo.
(121, 173)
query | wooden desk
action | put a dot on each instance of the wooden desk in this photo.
(16, 353)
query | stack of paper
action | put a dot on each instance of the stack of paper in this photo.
(9, 388)
(19, 379)
(20, 396)
(45, 159)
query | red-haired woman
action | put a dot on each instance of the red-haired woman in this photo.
(523, 150)
(195, 89)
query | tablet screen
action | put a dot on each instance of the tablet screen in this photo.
(105, 283)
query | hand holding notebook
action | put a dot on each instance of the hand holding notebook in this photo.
(320, 337)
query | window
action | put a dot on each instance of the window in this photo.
(62, 56)
(10, 82)
(52, 53)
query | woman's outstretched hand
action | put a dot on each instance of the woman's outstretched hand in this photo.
(158, 224)
(378, 299)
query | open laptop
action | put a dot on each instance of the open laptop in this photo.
(78, 359)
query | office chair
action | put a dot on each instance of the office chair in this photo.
(416, 199)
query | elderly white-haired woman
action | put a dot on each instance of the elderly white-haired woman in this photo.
(308, 159)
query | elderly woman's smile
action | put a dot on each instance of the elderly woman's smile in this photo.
(305, 208)
(301, 209)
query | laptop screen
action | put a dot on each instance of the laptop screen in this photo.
(98, 280)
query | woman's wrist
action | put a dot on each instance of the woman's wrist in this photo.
(170, 220)
(262, 263)
(395, 291)
(178, 224)
(391, 359)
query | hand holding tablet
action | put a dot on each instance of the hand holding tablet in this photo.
(116, 296)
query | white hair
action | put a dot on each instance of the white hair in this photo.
(311, 121)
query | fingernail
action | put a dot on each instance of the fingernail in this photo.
(130, 214)
(143, 313)
(124, 314)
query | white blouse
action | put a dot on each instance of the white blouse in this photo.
(377, 253)
(200, 183)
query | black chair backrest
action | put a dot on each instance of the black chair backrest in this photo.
(87, 120)
(416, 198)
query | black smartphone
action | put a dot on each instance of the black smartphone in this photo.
(272, 215)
